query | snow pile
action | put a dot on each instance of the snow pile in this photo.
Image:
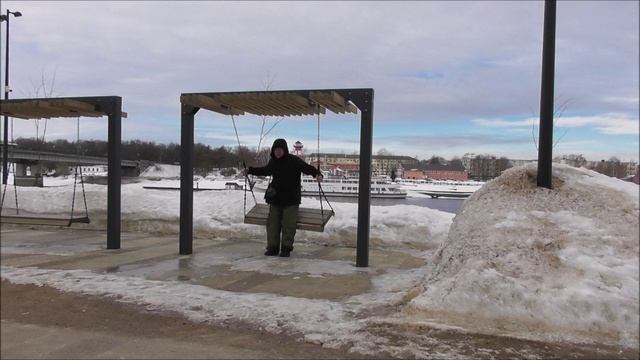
(556, 264)
(161, 171)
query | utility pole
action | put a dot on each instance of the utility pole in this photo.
(5, 154)
(545, 146)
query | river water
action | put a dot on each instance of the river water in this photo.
(442, 204)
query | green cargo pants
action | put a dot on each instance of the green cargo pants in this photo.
(281, 219)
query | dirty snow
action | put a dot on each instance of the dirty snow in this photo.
(321, 321)
(527, 261)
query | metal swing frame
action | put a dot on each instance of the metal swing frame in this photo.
(73, 107)
(278, 103)
(53, 221)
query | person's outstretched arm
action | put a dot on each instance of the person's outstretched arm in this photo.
(307, 169)
(262, 170)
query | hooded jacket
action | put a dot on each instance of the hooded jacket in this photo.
(285, 173)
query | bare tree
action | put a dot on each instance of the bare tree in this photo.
(45, 89)
(557, 114)
(267, 84)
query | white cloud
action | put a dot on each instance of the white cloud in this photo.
(630, 100)
(505, 123)
(612, 124)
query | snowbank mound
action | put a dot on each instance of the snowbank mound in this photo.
(161, 171)
(556, 264)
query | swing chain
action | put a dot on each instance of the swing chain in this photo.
(75, 178)
(244, 165)
(320, 191)
(15, 188)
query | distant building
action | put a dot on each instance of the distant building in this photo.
(572, 160)
(233, 186)
(485, 167)
(90, 169)
(612, 167)
(451, 171)
(632, 168)
(520, 162)
(381, 165)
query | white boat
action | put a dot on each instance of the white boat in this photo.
(440, 188)
(349, 188)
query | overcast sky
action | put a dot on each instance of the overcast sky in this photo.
(449, 77)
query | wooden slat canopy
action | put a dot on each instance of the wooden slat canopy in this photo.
(308, 219)
(272, 103)
(50, 108)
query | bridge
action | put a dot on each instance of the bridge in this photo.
(34, 159)
(19, 155)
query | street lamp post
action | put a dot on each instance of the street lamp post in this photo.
(5, 154)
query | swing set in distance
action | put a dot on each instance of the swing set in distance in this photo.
(279, 103)
(74, 107)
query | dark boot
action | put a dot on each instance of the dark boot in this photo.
(271, 252)
(286, 252)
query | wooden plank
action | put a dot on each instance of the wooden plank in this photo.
(31, 220)
(206, 102)
(351, 108)
(78, 107)
(291, 108)
(243, 103)
(332, 100)
(302, 102)
(263, 107)
(308, 219)
(268, 105)
(39, 109)
(43, 109)
(272, 102)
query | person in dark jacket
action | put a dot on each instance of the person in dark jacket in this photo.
(285, 170)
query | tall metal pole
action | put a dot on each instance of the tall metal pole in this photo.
(545, 145)
(186, 179)
(114, 188)
(5, 138)
(364, 183)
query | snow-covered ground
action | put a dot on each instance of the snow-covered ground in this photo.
(220, 213)
(517, 260)
(161, 171)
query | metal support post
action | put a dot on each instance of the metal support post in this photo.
(364, 190)
(114, 175)
(545, 146)
(5, 137)
(186, 179)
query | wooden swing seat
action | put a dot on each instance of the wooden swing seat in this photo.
(38, 220)
(308, 219)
